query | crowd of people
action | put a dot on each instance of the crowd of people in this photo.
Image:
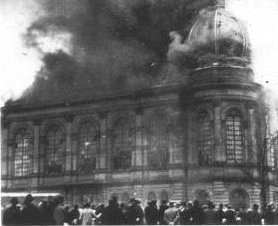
(54, 212)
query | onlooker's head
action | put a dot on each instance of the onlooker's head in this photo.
(255, 207)
(28, 199)
(14, 201)
(87, 205)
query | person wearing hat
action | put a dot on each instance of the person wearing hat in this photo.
(135, 213)
(210, 215)
(30, 213)
(12, 215)
(151, 213)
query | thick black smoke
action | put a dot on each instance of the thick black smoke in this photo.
(117, 45)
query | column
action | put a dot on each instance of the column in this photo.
(219, 150)
(36, 154)
(102, 162)
(68, 126)
(36, 128)
(252, 143)
(4, 155)
(138, 154)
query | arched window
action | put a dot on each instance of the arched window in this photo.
(164, 196)
(23, 151)
(158, 142)
(89, 139)
(239, 198)
(204, 138)
(123, 142)
(55, 150)
(235, 142)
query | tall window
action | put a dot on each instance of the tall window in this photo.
(55, 150)
(123, 142)
(159, 142)
(89, 138)
(234, 137)
(204, 139)
(23, 152)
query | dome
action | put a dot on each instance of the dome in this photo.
(217, 32)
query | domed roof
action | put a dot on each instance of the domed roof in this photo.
(218, 32)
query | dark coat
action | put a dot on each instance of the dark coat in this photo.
(197, 215)
(112, 215)
(161, 212)
(30, 215)
(230, 216)
(151, 215)
(135, 215)
(12, 216)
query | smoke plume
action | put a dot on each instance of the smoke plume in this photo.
(104, 46)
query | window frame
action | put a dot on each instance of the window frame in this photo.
(56, 157)
(235, 137)
(90, 162)
(25, 165)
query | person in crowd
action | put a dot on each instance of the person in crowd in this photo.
(255, 216)
(230, 215)
(185, 213)
(196, 214)
(163, 206)
(135, 213)
(52, 203)
(220, 214)
(30, 214)
(75, 215)
(242, 215)
(87, 215)
(268, 215)
(59, 211)
(99, 213)
(12, 215)
(67, 220)
(43, 213)
(112, 214)
(151, 213)
(171, 215)
(210, 215)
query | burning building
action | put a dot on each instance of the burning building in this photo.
(197, 131)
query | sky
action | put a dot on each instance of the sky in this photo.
(21, 62)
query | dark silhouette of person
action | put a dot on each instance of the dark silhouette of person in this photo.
(196, 213)
(210, 215)
(163, 206)
(255, 216)
(112, 214)
(12, 215)
(151, 213)
(74, 215)
(268, 215)
(43, 213)
(30, 213)
(243, 215)
(135, 213)
(220, 214)
(230, 215)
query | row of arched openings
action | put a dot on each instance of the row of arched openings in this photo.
(155, 138)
